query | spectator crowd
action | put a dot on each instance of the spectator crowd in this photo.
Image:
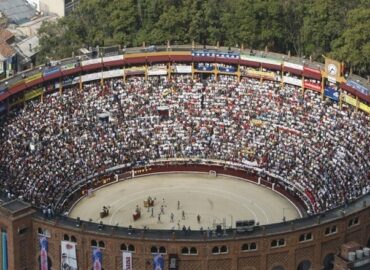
(48, 146)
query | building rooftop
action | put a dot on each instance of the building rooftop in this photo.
(28, 46)
(18, 11)
(5, 35)
(6, 50)
(15, 206)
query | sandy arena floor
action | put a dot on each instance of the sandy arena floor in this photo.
(221, 200)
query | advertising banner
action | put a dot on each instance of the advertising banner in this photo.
(4, 88)
(91, 61)
(313, 86)
(113, 73)
(112, 58)
(201, 53)
(350, 100)
(134, 70)
(358, 87)
(181, 69)
(292, 80)
(331, 93)
(68, 256)
(226, 69)
(312, 70)
(260, 59)
(205, 67)
(364, 107)
(293, 66)
(228, 55)
(91, 77)
(33, 77)
(44, 253)
(68, 66)
(51, 71)
(97, 258)
(157, 71)
(32, 94)
(4, 251)
(158, 262)
(173, 262)
(258, 74)
(127, 260)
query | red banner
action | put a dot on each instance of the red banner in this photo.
(312, 70)
(312, 86)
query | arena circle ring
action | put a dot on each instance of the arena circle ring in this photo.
(220, 196)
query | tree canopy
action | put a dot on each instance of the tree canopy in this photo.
(339, 28)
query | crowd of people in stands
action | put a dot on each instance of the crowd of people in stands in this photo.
(48, 146)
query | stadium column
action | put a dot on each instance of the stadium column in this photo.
(340, 98)
(146, 71)
(60, 86)
(102, 78)
(357, 103)
(215, 72)
(238, 72)
(81, 83)
(261, 78)
(303, 90)
(322, 87)
(169, 69)
(192, 70)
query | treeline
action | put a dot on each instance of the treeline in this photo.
(338, 28)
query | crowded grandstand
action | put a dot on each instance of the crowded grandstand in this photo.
(276, 129)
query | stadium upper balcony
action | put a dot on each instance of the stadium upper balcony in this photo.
(263, 63)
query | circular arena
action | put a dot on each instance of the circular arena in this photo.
(101, 152)
(191, 200)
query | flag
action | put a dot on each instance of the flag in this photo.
(68, 256)
(158, 262)
(126, 260)
(97, 258)
(44, 253)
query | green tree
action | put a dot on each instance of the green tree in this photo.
(353, 46)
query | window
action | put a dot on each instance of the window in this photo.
(123, 247)
(305, 237)
(331, 230)
(22, 230)
(189, 251)
(245, 247)
(278, 243)
(154, 249)
(131, 248)
(43, 232)
(101, 244)
(249, 246)
(215, 250)
(73, 239)
(193, 251)
(353, 222)
(94, 243)
(223, 249)
(162, 250)
(66, 237)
